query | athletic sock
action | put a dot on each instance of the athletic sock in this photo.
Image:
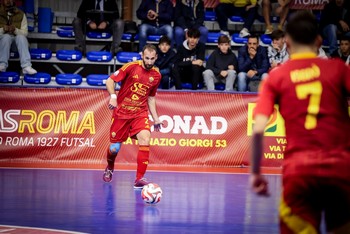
(142, 161)
(110, 159)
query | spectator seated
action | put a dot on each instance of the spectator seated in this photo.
(98, 35)
(97, 79)
(40, 54)
(9, 77)
(239, 40)
(125, 57)
(65, 31)
(69, 79)
(69, 55)
(38, 78)
(210, 16)
(99, 56)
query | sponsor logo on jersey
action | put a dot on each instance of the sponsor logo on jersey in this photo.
(135, 76)
(151, 79)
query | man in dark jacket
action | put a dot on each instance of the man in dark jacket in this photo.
(253, 64)
(165, 61)
(156, 17)
(189, 14)
(221, 66)
(188, 66)
(335, 18)
(101, 16)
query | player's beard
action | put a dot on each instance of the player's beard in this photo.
(147, 66)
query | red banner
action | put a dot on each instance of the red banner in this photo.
(70, 128)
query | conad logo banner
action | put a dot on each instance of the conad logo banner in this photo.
(275, 126)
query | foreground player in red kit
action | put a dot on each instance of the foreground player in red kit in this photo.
(136, 97)
(312, 97)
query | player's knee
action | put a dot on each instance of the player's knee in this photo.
(114, 148)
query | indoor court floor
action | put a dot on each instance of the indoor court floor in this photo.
(78, 201)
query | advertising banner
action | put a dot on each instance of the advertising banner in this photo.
(69, 128)
(308, 4)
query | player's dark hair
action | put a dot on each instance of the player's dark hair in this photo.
(223, 39)
(164, 39)
(302, 27)
(193, 33)
(149, 47)
(277, 34)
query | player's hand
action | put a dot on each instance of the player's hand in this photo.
(112, 103)
(249, 6)
(223, 73)
(157, 126)
(259, 185)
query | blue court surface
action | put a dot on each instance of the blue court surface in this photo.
(78, 201)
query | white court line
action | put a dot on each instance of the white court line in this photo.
(13, 228)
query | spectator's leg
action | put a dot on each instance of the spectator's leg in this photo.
(23, 50)
(165, 82)
(222, 15)
(208, 76)
(5, 46)
(117, 30)
(179, 36)
(176, 75)
(196, 76)
(230, 80)
(283, 17)
(79, 34)
(330, 32)
(167, 30)
(145, 30)
(250, 16)
(204, 34)
(242, 82)
(266, 9)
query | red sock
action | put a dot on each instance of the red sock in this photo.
(110, 159)
(142, 161)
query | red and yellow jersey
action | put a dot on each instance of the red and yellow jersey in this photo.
(137, 84)
(312, 96)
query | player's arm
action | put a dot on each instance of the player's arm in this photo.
(153, 110)
(113, 97)
(257, 181)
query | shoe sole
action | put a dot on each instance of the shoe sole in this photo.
(138, 187)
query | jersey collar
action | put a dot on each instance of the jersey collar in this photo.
(305, 55)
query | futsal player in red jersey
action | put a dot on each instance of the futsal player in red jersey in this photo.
(312, 97)
(136, 98)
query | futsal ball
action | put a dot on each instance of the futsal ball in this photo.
(151, 193)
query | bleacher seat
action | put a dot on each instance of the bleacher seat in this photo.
(220, 86)
(9, 77)
(154, 38)
(125, 57)
(189, 85)
(99, 35)
(69, 55)
(266, 39)
(14, 55)
(210, 16)
(38, 78)
(127, 36)
(213, 37)
(236, 19)
(44, 54)
(99, 56)
(65, 31)
(273, 19)
(239, 40)
(97, 79)
(69, 79)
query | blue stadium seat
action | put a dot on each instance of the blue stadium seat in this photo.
(97, 79)
(9, 77)
(189, 86)
(65, 31)
(69, 79)
(127, 36)
(125, 57)
(99, 35)
(266, 39)
(43, 54)
(213, 37)
(69, 55)
(210, 16)
(273, 19)
(240, 40)
(154, 37)
(99, 56)
(236, 19)
(219, 86)
(38, 78)
(14, 55)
